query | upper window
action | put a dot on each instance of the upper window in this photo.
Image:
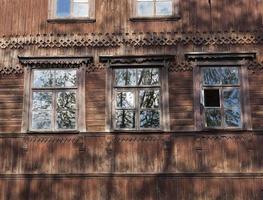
(54, 99)
(72, 9)
(137, 98)
(221, 97)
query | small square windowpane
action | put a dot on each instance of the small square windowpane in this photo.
(231, 98)
(43, 78)
(63, 8)
(42, 101)
(125, 100)
(81, 9)
(66, 119)
(66, 101)
(145, 8)
(211, 97)
(125, 119)
(66, 78)
(125, 77)
(213, 117)
(150, 119)
(233, 117)
(164, 8)
(41, 120)
(148, 76)
(149, 98)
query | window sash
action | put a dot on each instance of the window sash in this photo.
(136, 90)
(54, 90)
(155, 2)
(222, 108)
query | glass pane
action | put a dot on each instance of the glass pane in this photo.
(231, 98)
(66, 78)
(42, 78)
(149, 98)
(125, 119)
(66, 119)
(66, 101)
(41, 120)
(212, 76)
(212, 97)
(125, 77)
(81, 10)
(42, 100)
(232, 117)
(145, 9)
(63, 8)
(150, 119)
(125, 100)
(148, 76)
(164, 8)
(213, 117)
(230, 75)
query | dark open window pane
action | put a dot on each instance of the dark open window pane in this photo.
(150, 119)
(125, 119)
(213, 117)
(231, 98)
(63, 8)
(211, 98)
(149, 98)
(232, 117)
(125, 77)
(125, 100)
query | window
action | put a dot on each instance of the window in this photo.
(54, 99)
(72, 9)
(221, 97)
(155, 8)
(137, 98)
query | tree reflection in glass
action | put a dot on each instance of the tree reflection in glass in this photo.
(125, 119)
(66, 110)
(66, 78)
(148, 76)
(149, 119)
(125, 77)
(149, 98)
(125, 100)
(213, 117)
(42, 78)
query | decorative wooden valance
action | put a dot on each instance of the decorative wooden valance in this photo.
(207, 56)
(134, 39)
(137, 59)
(57, 61)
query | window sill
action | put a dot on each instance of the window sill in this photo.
(71, 20)
(149, 19)
(54, 132)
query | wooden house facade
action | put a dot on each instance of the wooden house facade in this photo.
(131, 99)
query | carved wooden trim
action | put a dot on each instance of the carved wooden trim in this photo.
(255, 66)
(95, 67)
(55, 62)
(178, 66)
(10, 70)
(139, 39)
(52, 139)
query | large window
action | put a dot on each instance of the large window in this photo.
(53, 100)
(137, 98)
(154, 8)
(221, 97)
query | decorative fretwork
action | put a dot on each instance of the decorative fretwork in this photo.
(255, 66)
(11, 70)
(182, 66)
(95, 67)
(97, 40)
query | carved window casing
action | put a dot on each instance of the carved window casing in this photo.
(54, 99)
(137, 92)
(71, 9)
(221, 94)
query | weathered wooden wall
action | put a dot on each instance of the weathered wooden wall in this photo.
(30, 17)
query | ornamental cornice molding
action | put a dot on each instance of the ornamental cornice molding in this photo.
(138, 39)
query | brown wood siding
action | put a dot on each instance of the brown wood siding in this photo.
(11, 104)
(30, 17)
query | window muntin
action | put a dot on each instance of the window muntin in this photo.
(54, 100)
(221, 97)
(137, 98)
(72, 8)
(154, 8)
